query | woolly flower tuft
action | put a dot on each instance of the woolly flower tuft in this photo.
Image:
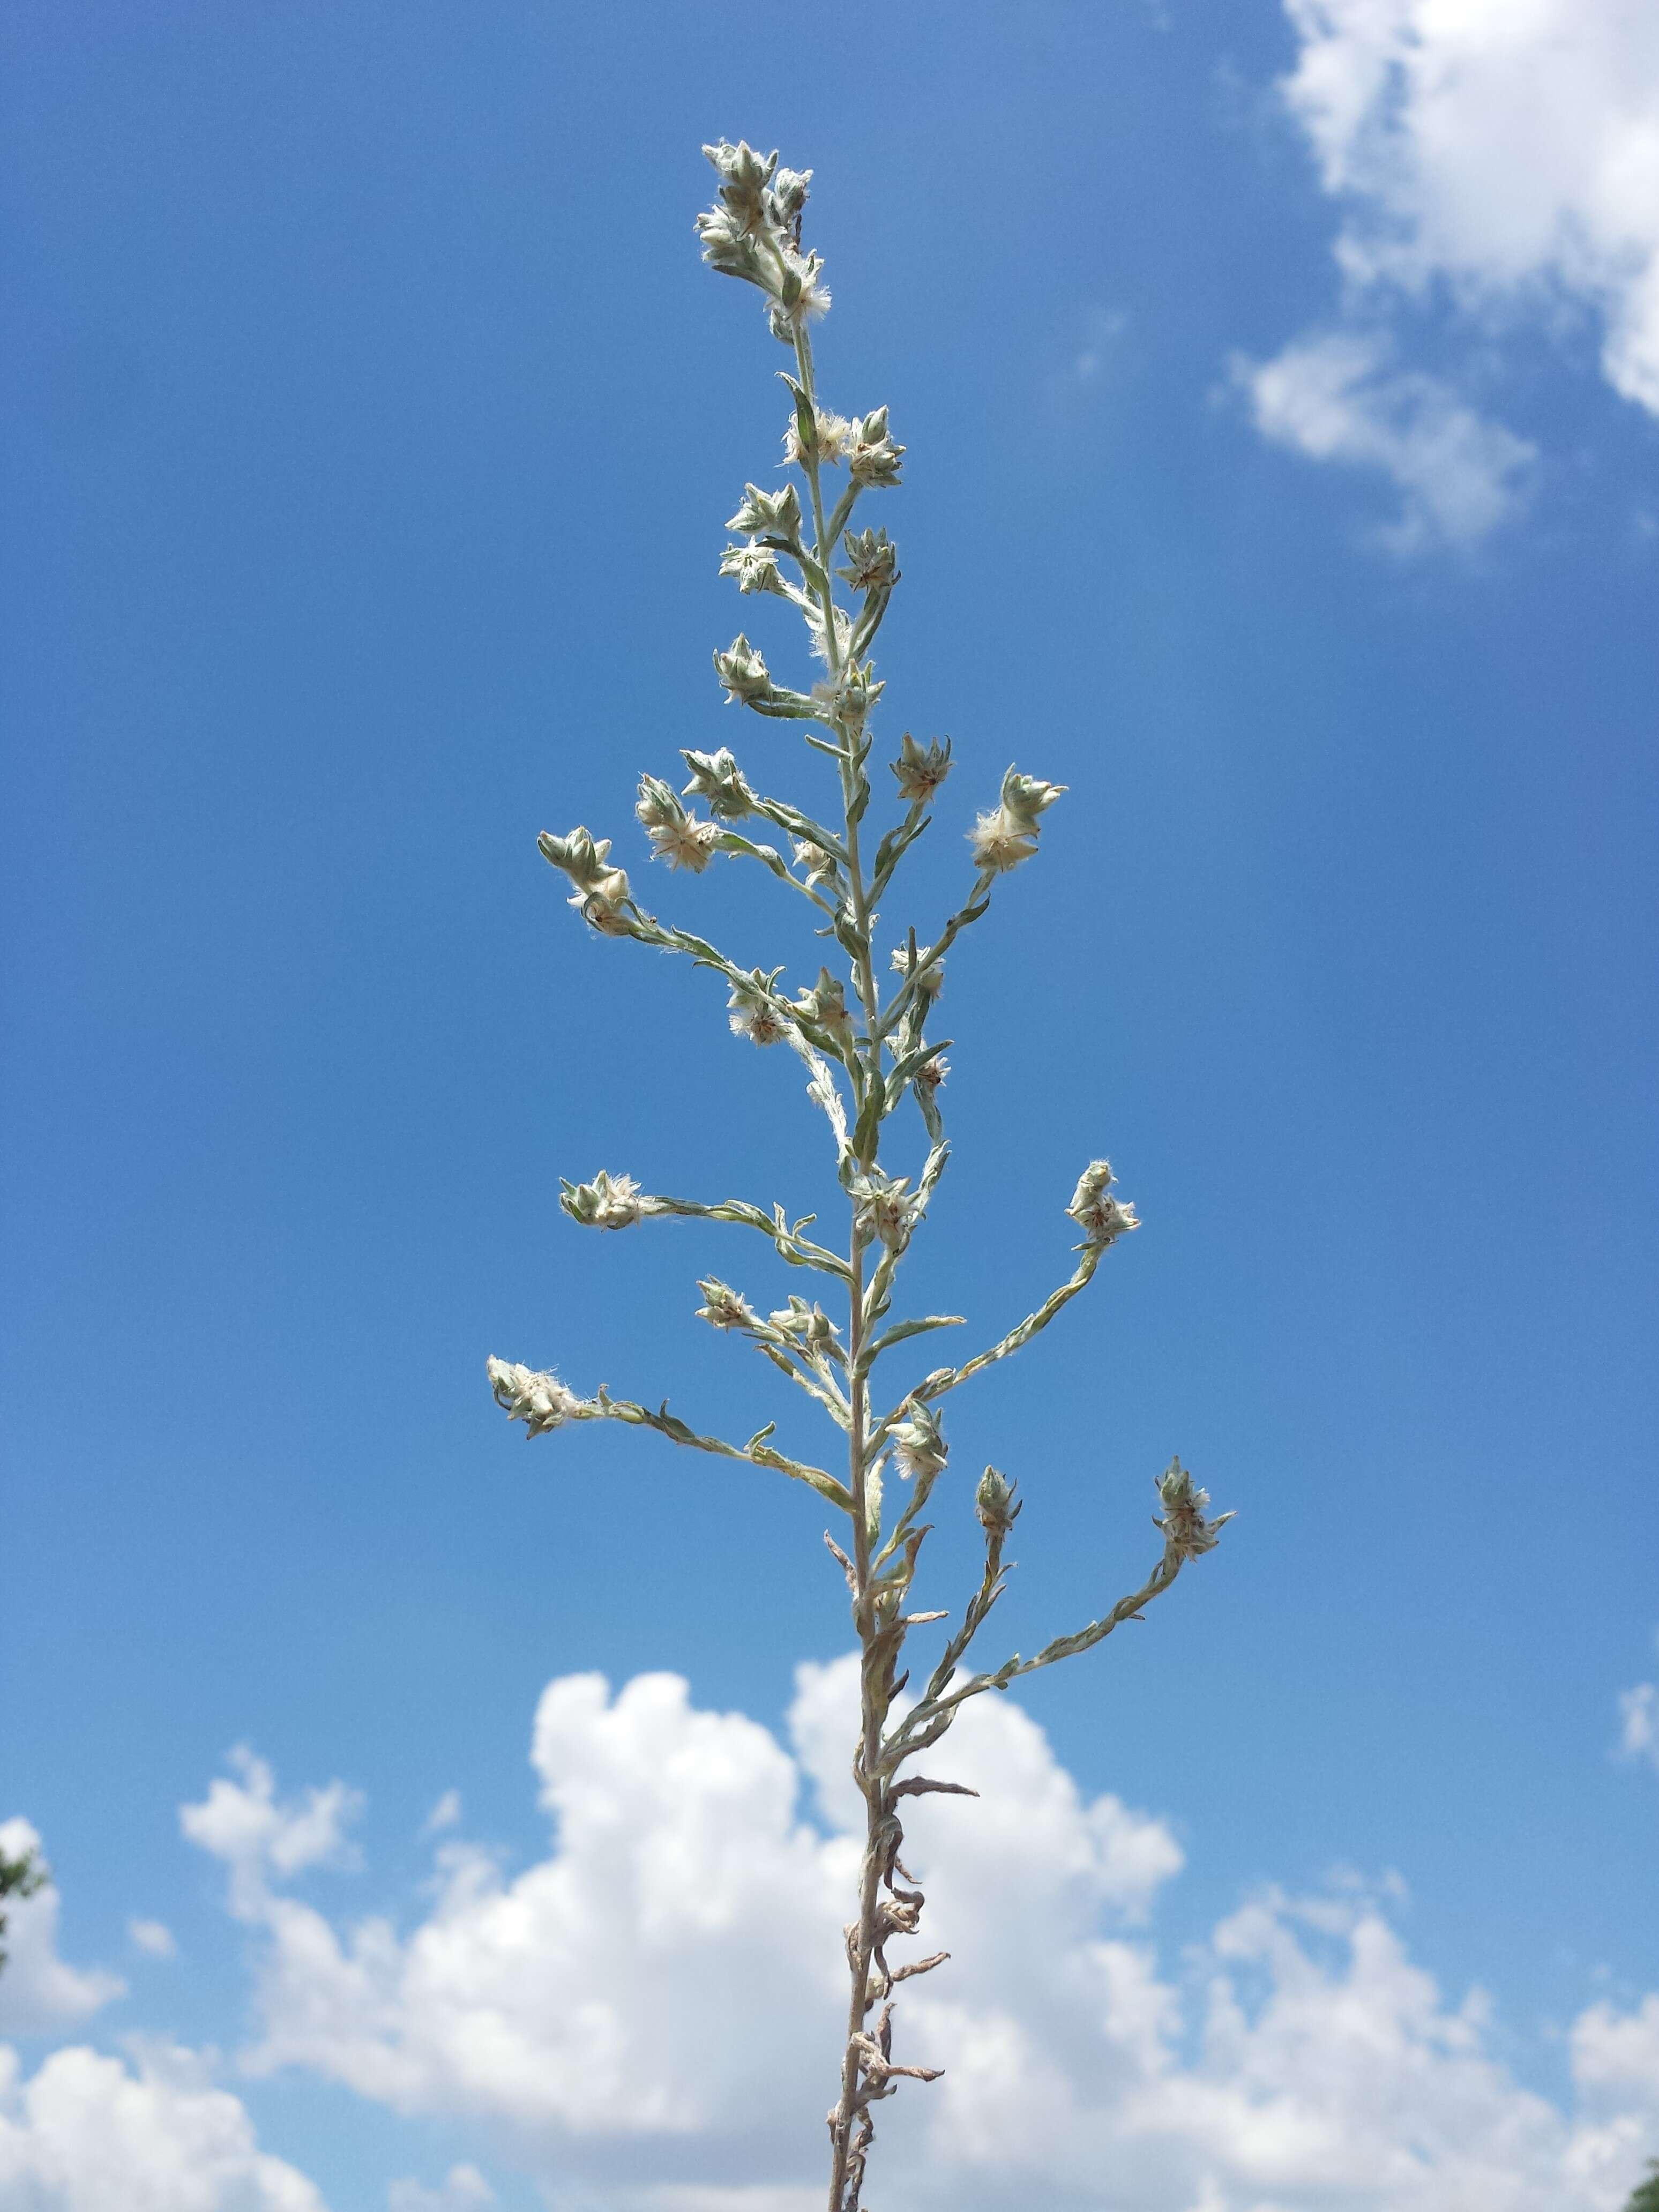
(1008, 833)
(1186, 1531)
(540, 1401)
(608, 1202)
(1101, 1217)
(819, 438)
(723, 1307)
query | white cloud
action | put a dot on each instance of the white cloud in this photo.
(38, 1990)
(242, 1823)
(647, 2017)
(445, 1814)
(88, 2134)
(464, 2190)
(1638, 1719)
(1334, 396)
(153, 1938)
(1503, 154)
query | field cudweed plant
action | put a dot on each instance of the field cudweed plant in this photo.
(860, 1031)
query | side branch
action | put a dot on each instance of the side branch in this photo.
(543, 1403)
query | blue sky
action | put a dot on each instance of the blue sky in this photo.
(1281, 389)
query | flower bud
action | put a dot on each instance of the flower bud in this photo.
(538, 1399)
(743, 671)
(723, 1307)
(1023, 797)
(871, 561)
(873, 460)
(1186, 1531)
(921, 769)
(885, 1208)
(607, 1202)
(810, 1326)
(918, 1446)
(1101, 1217)
(825, 1005)
(744, 175)
(994, 1504)
(772, 516)
(755, 569)
(717, 778)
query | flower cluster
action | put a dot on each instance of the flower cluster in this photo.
(755, 566)
(539, 1401)
(1186, 1531)
(754, 232)
(601, 890)
(1101, 1217)
(1008, 833)
(774, 517)
(608, 1202)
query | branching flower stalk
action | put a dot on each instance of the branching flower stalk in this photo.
(860, 1031)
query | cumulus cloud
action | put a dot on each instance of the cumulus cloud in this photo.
(644, 2017)
(39, 1991)
(1336, 396)
(88, 2134)
(1502, 155)
(1639, 1722)
(242, 1823)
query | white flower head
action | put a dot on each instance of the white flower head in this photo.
(931, 1074)
(756, 1011)
(601, 892)
(608, 1202)
(723, 1307)
(808, 1325)
(539, 1400)
(1025, 797)
(687, 843)
(1101, 1217)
